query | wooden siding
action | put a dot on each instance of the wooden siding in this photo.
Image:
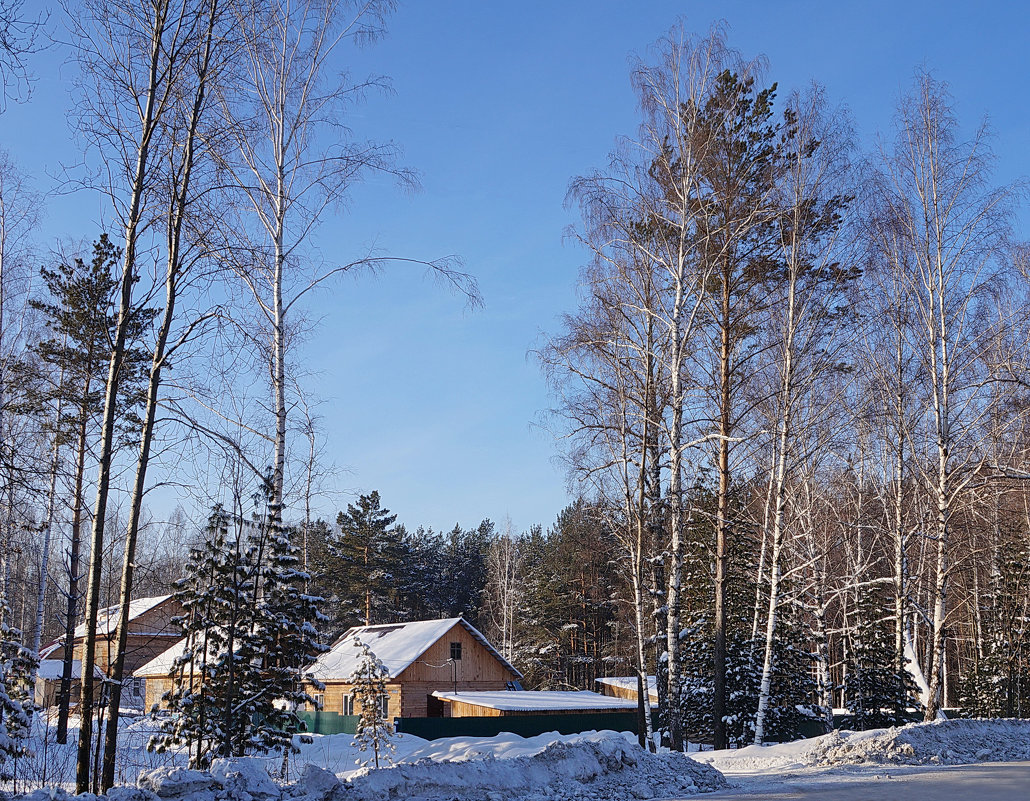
(155, 688)
(477, 664)
(334, 693)
(630, 694)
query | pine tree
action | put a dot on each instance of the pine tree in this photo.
(365, 561)
(81, 318)
(374, 730)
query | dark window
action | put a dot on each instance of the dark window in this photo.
(455, 651)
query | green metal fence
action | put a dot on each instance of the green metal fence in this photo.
(522, 725)
(329, 722)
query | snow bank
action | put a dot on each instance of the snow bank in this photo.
(943, 742)
(602, 765)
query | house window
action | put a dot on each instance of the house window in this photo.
(348, 705)
(456, 651)
(384, 706)
(319, 700)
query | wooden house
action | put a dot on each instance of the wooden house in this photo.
(422, 658)
(151, 632)
(48, 681)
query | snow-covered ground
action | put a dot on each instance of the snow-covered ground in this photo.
(913, 762)
(943, 742)
(941, 761)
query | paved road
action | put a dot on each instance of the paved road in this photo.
(995, 781)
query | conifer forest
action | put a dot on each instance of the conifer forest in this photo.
(790, 398)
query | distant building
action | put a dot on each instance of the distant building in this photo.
(627, 687)
(48, 681)
(151, 632)
(422, 658)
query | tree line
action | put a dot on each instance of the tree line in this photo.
(794, 391)
(212, 137)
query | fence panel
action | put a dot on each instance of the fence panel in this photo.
(329, 722)
(523, 725)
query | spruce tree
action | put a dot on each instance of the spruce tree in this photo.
(16, 663)
(374, 731)
(249, 632)
(874, 694)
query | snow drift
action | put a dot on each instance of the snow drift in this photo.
(943, 742)
(599, 765)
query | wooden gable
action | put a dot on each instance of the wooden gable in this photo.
(476, 666)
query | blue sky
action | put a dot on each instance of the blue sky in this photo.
(498, 105)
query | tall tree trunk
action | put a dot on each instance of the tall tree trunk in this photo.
(129, 274)
(71, 613)
(722, 525)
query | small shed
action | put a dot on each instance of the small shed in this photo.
(530, 702)
(421, 657)
(627, 687)
(48, 681)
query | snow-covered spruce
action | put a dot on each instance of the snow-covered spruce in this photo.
(604, 766)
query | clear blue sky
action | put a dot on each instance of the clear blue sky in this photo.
(498, 105)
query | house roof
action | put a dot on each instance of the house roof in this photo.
(630, 683)
(161, 665)
(107, 619)
(53, 669)
(397, 645)
(539, 700)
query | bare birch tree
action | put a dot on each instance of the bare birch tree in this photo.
(295, 159)
(952, 227)
(132, 60)
(809, 319)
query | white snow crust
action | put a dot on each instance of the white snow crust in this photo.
(601, 766)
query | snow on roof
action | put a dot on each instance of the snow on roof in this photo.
(107, 619)
(53, 669)
(539, 700)
(397, 645)
(161, 665)
(630, 683)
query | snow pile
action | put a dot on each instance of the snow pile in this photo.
(944, 742)
(597, 766)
